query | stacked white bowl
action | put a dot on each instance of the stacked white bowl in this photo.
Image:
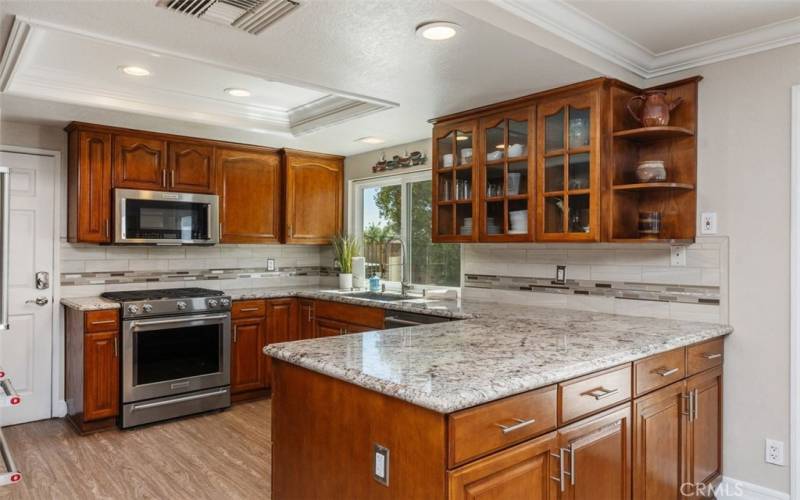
(492, 227)
(519, 221)
(466, 229)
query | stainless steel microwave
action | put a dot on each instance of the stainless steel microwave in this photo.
(165, 218)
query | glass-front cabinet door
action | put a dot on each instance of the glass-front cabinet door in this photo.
(455, 206)
(568, 199)
(507, 181)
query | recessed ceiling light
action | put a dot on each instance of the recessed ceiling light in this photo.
(237, 92)
(371, 140)
(134, 70)
(439, 30)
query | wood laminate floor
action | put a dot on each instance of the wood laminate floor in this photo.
(223, 455)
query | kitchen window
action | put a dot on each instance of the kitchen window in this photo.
(399, 207)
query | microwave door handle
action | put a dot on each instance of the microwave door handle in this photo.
(5, 208)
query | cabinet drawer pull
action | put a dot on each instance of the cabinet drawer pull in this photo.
(601, 393)
(104, 322)
(666, 372)
(248, 309)
(712, 355)
(520, 423)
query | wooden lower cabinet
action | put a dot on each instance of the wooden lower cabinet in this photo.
(248, 338)
(523, 472)
(306, 326)
(596, 456)
(704, 430)
(101, 375)
(328, 328)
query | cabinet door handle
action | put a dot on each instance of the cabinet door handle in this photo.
(108, 228)
(235, 334)
(561, 472)
(520, 423)
(164, 178)
(116, 347)
(172, 178)
(710, 355)
(695, 405)
(666, 372)
(601, 393)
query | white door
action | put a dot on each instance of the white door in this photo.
(26, 348)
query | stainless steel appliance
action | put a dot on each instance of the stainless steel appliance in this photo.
(165, 218)
(402, 319)
(175, 353)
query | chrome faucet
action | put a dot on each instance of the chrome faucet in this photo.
(404, 286)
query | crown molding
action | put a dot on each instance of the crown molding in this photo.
(12, 51)
(577, 27)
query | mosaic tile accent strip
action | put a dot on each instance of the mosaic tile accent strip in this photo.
(689, 294)
(121, 277)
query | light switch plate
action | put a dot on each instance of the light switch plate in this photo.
(380, 469)
(270, 264)
(678, 256)
(708, 223)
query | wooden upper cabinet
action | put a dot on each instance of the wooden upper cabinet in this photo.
(455, 206)
(190, 167)
(596, 452)
(249, 187)
(140, 163)
(89, 191)
(313, 197)
(568, 165)
(507, 176)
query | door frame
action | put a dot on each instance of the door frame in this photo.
(794, 399)
(58, 406)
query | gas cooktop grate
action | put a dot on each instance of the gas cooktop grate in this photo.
(163, 294)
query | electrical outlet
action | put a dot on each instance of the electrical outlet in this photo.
(708, 223)
(270, 264)
(773, 452)
(380, 470)
(561, 275)
(678, 256)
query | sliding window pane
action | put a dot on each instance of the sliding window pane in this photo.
(429, 263)
(381, 223)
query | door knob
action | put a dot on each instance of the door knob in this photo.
(39, 301)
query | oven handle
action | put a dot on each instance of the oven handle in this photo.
(178, 400)
(185, 319)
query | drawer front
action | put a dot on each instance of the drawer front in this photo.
(659, 370)
(477, 431)
(592, 393)
(248, 309)
(106, 320)
(348, 313)
(701, 357)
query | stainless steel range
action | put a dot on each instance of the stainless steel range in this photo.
(175, 353)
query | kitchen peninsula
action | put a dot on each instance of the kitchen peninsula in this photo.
(510, 403)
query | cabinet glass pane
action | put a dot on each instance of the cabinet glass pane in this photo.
(445, 220)
(554, 132)
(579, 213)
(554, 214)
(494, 217)
(463, 186)
(518, 217)
(517, 138)
(464, 220)
(578, 127)
(494, 181)
(579, 171)
(554, 174)
(517, 178)
(445, 145)
(495, 139)
(463, 148)
(445, 187)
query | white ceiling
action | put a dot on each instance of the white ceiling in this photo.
(664, 25)
(357, 47)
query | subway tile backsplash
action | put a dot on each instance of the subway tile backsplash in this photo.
(613, 278)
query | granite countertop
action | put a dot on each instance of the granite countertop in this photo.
(502, 350)
(95, 303)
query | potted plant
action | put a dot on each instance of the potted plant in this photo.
(345, 247)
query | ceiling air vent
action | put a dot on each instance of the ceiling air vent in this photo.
(252, 16)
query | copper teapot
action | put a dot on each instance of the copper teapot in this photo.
(654, 110)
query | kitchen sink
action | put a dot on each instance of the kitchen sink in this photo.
(385, 297)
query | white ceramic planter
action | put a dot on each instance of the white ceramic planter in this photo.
(345, 281)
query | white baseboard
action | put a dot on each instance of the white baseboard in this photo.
(742, 490)
(59, 408)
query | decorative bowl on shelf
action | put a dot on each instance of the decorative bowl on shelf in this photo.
(651, 171)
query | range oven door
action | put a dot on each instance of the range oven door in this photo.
(163, 218)
(174, 355)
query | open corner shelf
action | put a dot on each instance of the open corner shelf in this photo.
(653, 185)
(645, 134)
